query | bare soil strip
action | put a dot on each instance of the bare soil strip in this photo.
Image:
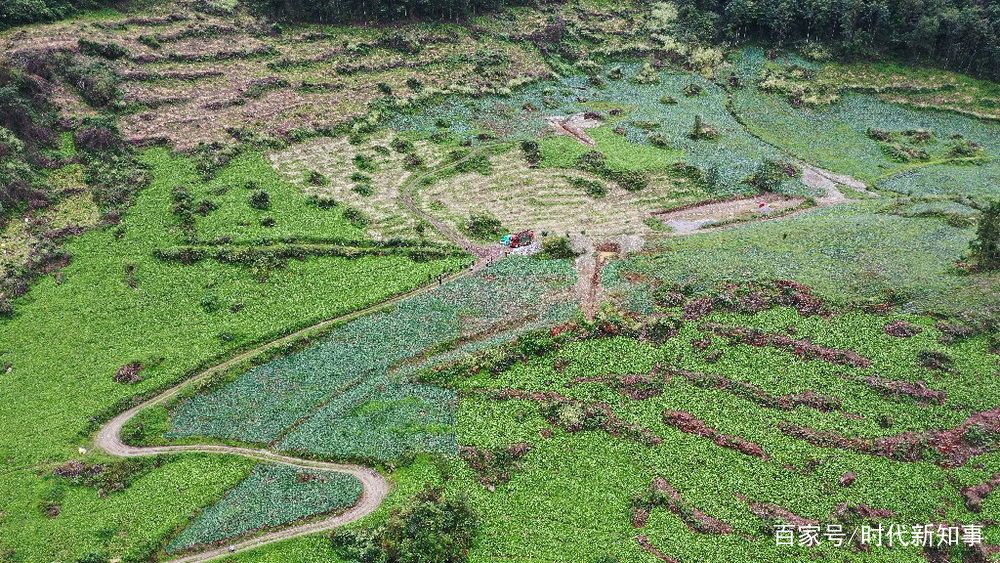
(574, 126)
(731, 212)
(692, 218)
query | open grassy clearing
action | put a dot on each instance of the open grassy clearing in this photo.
(365, 176)
(553, 200)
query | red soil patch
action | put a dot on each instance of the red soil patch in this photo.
(802, 348)
(848, 479)
(129, 373)
(651, 549)
(843, 512)
(494, 466)
(757, 395)
(76, 468)
(698, 308)
(635, 386)
(771, 511)
(948, 448)
(975, 495)
(690, 424)
(902, 329)
(746, 298)
(917, 391)
(664, 494)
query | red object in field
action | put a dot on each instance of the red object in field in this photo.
(523, 238)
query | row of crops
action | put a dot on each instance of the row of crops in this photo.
(272, 495)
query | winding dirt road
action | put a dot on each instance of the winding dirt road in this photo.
(374, 487)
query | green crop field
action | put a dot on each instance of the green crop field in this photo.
(428, 282)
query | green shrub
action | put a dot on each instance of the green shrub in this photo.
(365, 163)
(702, 130)
(558, 248)
(97, 82)
(593, 188)
(211, 303)
(401, 145)
(770, 174)
(986, 246)
(483, 226)
(692, 90)
(532, 153)
(429, 529)
(658, 139)
(630, 180)
(317, 179)
(150, 41)
(108, 50)
(356, 217)
(476, 163)
(260, 199)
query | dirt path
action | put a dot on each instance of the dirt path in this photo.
(574, 126)
(702, 218)
(689, 219)
(486, 255)
(374, 486)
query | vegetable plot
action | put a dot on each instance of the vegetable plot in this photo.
(272, 495)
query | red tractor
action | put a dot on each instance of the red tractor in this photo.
(517, 240)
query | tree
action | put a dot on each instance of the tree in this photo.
(986, 246)
(558, 248)
(260, 199)
(962, 35)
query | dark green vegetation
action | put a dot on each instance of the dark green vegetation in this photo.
(691, 437)
(959, 34)
(986, 245)
(17, 12)
(430, 528)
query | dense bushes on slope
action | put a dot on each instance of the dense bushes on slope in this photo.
(18, 12)
(963, 35)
